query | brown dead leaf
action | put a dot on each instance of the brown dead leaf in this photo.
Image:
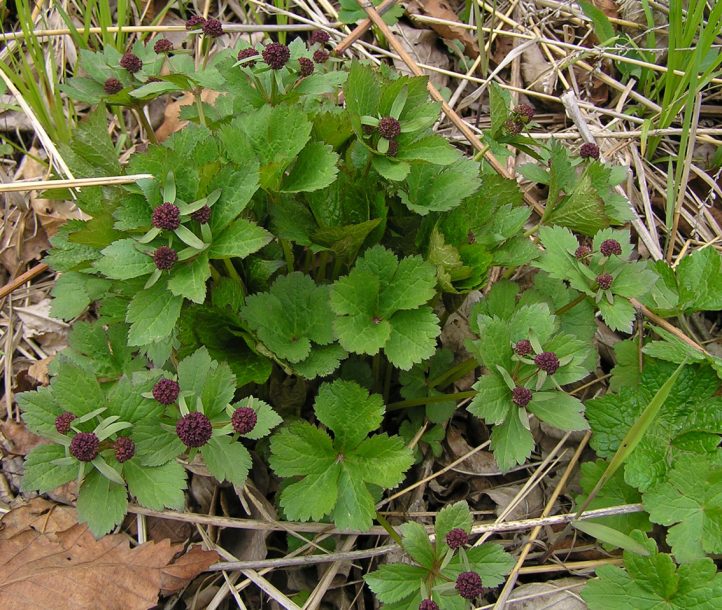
(37, 320)
(43, 566)
(560, 594)
(17, 439)
(439, 9)
(608, 7)
(481, 463)
(422, 46)
(172, 122)
(38, 370)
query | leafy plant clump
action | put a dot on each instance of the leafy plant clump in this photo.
(287, 269)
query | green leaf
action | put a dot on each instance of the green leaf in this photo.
(602, 26)
(76, 390)
(417, 544)
(154, 445)
(492, 402)
(439, 188)
(511, 441)
(689, 407)
(123, 261)
(156, 488)
(227, 459)
(193, 371)
(292, 316)
(452, 516)
(395, 581)
(240, 239)
(611, 536)
(559, 409)
(73, 292)
(700, 281)
(618, 315)
(654, 582)
(338, 469)
(41, 474)
(690, 501)
(488, 560)
(189, 279)
(413, 337)
(614, 493)
(39, 410)
(102, 504)
(266, 417)
(152, 315)
(314, 169)
(432, 149)
(350, 426)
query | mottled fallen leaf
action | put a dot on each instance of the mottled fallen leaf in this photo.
(439, 9)
(560, 594)
(481, 463)
(422, 46)
(42, 566)
(38, 370)
(37, 320)
(172, 121)
(17, 439)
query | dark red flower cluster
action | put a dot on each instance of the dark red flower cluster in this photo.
(523, 347)
(84, 446)
(63, 421)
(131, 62)
(306, 66)
(164, 258)
(213, 28)
(604, 281)
(457, 538)
(611, 246)
(521, 396)
(547, 362)
(244, 420)
(389, 127)
(163, 46)
(112, 86)
(468, 585)
(589, 151)
(166, 216)
(124, 449)
(276, 55)
(194, 429)
(166, 391)
(202, 215)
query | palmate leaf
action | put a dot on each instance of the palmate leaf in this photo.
(291, 317)
(691, 407)
(379, 305)
(336, 472)
(654, 582)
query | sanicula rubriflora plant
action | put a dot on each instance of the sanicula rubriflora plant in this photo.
(310, 227)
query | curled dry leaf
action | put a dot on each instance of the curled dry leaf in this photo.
(421, 45)
(48, 560)
(439, 9)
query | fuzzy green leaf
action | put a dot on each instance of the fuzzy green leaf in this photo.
(189, 279)
(122, 261)
(227, 459)
(240, 239)
(393, 582)
(315, 168)
(41, 474)
(152, 315)
(439, 188)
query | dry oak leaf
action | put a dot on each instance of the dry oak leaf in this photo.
(439, 9)
(41, 567)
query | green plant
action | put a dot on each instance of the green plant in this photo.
(302, 242)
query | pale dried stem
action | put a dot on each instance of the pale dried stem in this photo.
(36, 185)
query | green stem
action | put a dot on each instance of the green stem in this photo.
(287, 254)
(234, 274)
(570, 305)
(388, 527)
(533, 230)
(149, 133)
(455, 372)
(418, 402)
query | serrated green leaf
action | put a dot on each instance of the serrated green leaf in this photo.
(690, 501)
(395, 581)
(41, 474)
(349, 411)
(189, 279)
(314, 169)
(654, 582)
(452, 516)
(102, 504)
(700, 281)
(39, 410)
(266, 417)
(354, 505)
(511, 441)
(413, 337)
(152, 315)
(439, 188)
(239, 239)
(301, 449)
(559, 409)
(227, 459)
(417, 544)
(76, 390)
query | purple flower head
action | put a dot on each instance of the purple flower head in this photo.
(166, 391)
(589, 151)
(244, 420)
(306, 66)
(318, 36)
(513, 127)
(610, 246)
(195, 22)
(524, 112)
(521, 396)
(276, 55)
(249, 52)
(457, 538)
(547, 362)
(84, 446)
(166, 216)
(389, 127)
(604, 281)
(63, 421)
(194, 429)
(523, 348)
(468, 585)
(320, 56)
(124, 449)
(131, 62)
(213, 28)
(164, 258)
(163, 45)
(112, 86)
(202, 215)
(428, 604)
(582, 252)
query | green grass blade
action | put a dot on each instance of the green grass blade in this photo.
(609, 535)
